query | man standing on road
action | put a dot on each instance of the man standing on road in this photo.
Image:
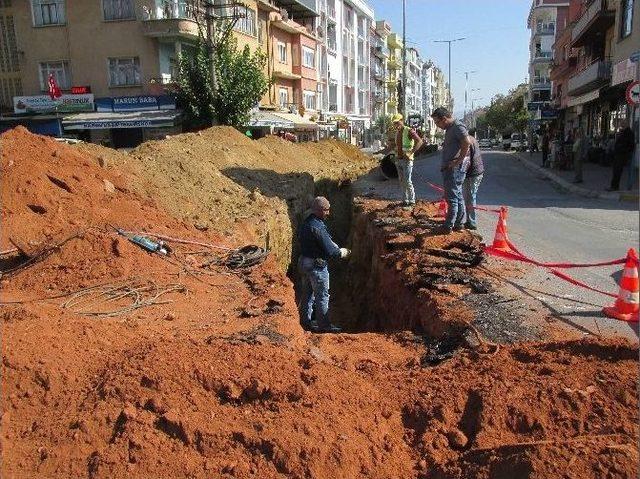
(455, 161)
(545, 148)
(407, 143)
(579, 153)
(316, 248)
(472, 181)
(622, 153)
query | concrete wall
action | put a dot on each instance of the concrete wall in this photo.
(624, 47)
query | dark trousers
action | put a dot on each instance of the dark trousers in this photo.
(545, 155)
(620, 160)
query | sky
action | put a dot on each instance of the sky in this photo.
(496, 45)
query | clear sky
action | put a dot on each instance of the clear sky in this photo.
(496, 45)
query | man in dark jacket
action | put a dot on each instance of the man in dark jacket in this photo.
(316, 248)
(622, 153)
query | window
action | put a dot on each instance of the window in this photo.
(627, 18)
(282, 52)
(248, 23)
(309, 100)
(59, 70)
(308, 57)
(283, 97)
(47, 12)
(124, 71)
(118, 9)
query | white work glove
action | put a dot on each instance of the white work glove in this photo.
(344, 253)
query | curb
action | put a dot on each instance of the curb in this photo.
(567, 186)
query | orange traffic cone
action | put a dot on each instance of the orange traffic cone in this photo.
(443, 208)
(626, 306)
(500, 239)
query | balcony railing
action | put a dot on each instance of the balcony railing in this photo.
(540, 56)
(540, 83)
(173, 10)
(599, 16)
(594, 76)
(172, 19)
(546, 29)
(331, 45)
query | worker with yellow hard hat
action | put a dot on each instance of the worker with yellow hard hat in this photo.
(407, 143)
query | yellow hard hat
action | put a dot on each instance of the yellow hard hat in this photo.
(396, 117)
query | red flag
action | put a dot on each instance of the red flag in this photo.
(54, 90)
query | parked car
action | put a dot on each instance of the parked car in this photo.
(485, 143)
(506, 143)
(516, 142)
(495, 143)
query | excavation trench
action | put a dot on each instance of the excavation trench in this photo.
(399, 277)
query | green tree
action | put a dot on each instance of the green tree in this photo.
(240, 83)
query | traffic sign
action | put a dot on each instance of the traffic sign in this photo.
(633, 93)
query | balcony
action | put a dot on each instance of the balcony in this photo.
(393, 63)
(600, 15)
(331, 13)
(331, 45)
(363, 86)
(171, 19)
(542, 57)
(540, 83)
(299, 8)
(560, 69)
(548, 29)
(594, 76)
(393, 41)
(380, 52)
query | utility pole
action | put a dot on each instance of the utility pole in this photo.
(211, 25)
(450, 42)
(473, 110)
(404, 58)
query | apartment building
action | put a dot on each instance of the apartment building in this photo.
(428, 99)
(593, 66)
(414, 83)
(394, 67)
(379, 32)
(544, 18)
(346, 64)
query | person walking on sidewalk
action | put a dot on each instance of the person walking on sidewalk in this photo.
(472, 181)
(622, 153)
(317, 248)
(407, 143)
(545, 148)
(455, 161)
(579, 153)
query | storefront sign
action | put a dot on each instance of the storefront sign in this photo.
(44, 104)
(80, 90)
(623, 71)
(136, 103)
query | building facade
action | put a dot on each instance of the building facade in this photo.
(546, 19)
(380, 30)
(414, 83)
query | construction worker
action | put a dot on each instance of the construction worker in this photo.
(316, 248)
(407, 143)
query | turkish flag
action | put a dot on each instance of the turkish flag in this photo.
(54, 90)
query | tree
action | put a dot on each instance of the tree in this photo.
(507, 113)
(240, 84)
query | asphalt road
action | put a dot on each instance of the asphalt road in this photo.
(550, 225)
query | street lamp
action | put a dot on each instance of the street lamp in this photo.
(473, 109)
(450, 42)
(466, 87)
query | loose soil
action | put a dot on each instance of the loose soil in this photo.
(215, 378)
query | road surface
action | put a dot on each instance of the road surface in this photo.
(550, 225)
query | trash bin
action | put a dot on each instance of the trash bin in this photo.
(388, 166)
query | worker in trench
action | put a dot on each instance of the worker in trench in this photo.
(317, 248)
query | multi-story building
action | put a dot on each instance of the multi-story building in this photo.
(379, 55)
(119, 55)
(428, 99)
(345, 75)
(394, 67)
(414, 83)
(544, 17)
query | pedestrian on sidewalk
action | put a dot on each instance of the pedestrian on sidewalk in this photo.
(579, 153)
(472, 181)
(545, 148)
(317, 248)
(455, 162)
(622, 153)
(407, 143)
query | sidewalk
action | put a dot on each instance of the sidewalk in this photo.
(596, 179)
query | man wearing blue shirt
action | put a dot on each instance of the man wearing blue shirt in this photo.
(316, 248)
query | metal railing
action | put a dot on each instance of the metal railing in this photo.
(173, 10)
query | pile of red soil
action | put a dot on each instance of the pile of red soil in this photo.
(221, 381)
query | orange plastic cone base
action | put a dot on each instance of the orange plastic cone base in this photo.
(500, 239)
(612, 312)
(443, 208)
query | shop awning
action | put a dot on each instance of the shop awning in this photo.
(586, 98)
(299, 122)
(268, 119)
(134, 119)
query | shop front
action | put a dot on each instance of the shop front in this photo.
(125, 122)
